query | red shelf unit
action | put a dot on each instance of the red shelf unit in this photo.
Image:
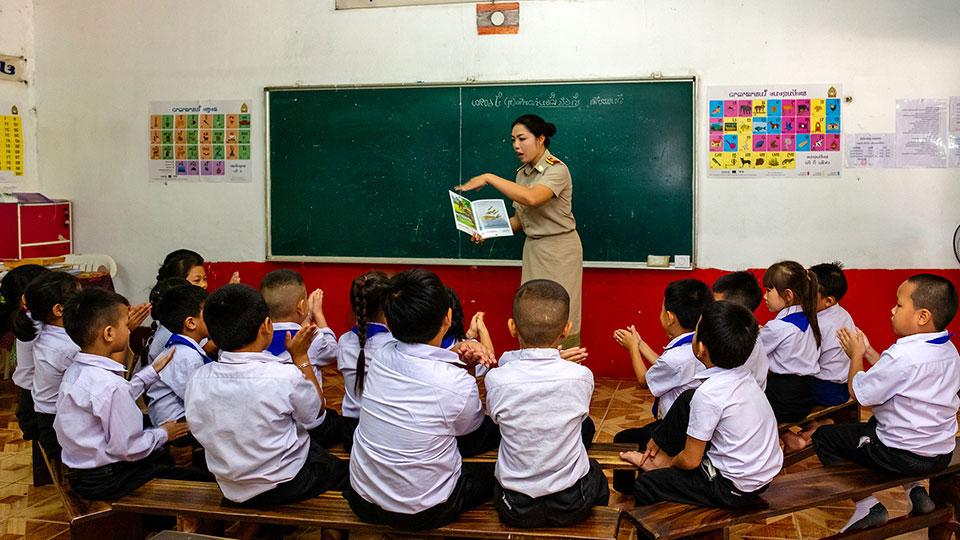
(29, 230)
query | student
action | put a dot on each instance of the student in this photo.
(728, 412)
(288, 304)
(157, 343)
(181, 312)
(456, 333)
(12, 288)
(248, 408)
(792, 339)
(53, 350)
(913, 391)
(674, 370)
(744, 289)
(540, 402)
(105, 447)
(421, 412)
(358, 348)
(830, 385)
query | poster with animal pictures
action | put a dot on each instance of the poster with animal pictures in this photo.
(774, 131)
(205, 141)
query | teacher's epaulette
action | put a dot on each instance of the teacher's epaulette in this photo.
(552, 160)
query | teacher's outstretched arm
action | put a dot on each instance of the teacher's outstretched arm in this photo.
(536, 195)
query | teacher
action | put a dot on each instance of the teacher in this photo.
(543, 198)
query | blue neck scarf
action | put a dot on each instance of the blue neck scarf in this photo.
(686, 340)
(798, 319)
(942, 339)
(177, 339)
(372, 330)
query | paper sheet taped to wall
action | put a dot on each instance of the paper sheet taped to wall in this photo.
(11, 145)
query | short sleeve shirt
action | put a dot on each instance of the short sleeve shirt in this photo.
(556, 215)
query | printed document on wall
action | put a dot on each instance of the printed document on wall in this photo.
(922, 133)
(11, 146)
(870, 150)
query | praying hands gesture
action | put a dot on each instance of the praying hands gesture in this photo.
(138, 314)
(315, 309)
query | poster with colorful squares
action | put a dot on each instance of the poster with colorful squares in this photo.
(774, 131)
(11, 145)
(205, 141)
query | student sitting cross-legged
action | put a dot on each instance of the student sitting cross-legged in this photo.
(421, 412)
(248, 408)
(542, 403)
(728, 411)
(98, 423)
(912, 388)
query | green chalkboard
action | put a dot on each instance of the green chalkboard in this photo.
(362, 173)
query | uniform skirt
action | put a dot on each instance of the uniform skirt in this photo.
(559, 258)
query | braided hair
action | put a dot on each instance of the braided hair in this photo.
(367, 293)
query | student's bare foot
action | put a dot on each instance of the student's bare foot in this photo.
(188, 524)
(793, 442)
(808, 431)
(659, 461)
(633, 457)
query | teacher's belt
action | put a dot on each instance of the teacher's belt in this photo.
(558, 235)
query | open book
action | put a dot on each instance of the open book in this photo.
(487, 217)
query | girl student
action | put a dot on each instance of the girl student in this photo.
(791, 339)
(456, 333)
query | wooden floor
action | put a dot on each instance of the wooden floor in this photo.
(36, 513)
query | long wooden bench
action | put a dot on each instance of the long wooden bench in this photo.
(845, 413)
(330, 510)
(797, 491)
(607, 454)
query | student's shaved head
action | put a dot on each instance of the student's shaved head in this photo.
(282, 290)
(541, 309)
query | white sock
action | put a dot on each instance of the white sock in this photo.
(861, 511)
(906, 489)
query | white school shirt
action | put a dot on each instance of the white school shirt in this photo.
(539, 401)
(913, 391)
(248, 411)
(98, 421)
(159, 343)
(23, 374)
(349, 350)
(53, 352)
(674, 372)
(416, 400)
(757, 364)
(790, 344)
(731, 412)
(322, 352)
(834, 363)
(166, 396)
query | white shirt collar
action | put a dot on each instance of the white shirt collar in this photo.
(99, 361)
(715, 370)
(286, 326)
(676, 339)
(922, 337)
(428, 352)
(228, 357)
(544, 354)
(789, 310)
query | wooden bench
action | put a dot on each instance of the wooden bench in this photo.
(797, 491)
(607, 454)
(845, 413)
(330, 510)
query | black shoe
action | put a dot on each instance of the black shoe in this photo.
(876, 517)
(922, 503)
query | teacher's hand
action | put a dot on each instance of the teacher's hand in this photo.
(476, 182)
(476, 239)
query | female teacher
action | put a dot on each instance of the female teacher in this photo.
(543, 197)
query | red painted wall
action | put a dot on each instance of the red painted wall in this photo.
(612, 298)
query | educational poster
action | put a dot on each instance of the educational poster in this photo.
(11, 144)
(774, 131)
(206, 141)
(922, 133)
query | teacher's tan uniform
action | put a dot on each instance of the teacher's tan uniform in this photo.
(552, 249)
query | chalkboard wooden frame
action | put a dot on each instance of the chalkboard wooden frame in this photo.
(695, 170)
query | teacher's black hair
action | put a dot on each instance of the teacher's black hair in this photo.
(538, 126)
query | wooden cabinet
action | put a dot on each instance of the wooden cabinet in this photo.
(30, 230)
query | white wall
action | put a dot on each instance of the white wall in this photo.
(100, 62)
(16, 39)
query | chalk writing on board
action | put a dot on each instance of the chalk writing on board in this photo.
(551, 101)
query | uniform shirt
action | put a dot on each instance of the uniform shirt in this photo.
(834, 363)
(98, 421)
(158, 343)
(322, 352)
(53, 352)
(790, 344)
(166, 397)
(913, 391)
(674, 372)
(23, 374)
(757, 364)
(731, 412)
(539, 401)
(248, 411)
(556, 215)
(416, 400)
(348, 351)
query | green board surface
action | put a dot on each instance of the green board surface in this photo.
(362, 173)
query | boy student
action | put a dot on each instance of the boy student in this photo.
(421, 411)
(181, 313)
(98, 423)
(671, 372)
(744, 289)
(912, 388)
(290, 308)
(730, 412)
(248, 408)
(540, 402)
